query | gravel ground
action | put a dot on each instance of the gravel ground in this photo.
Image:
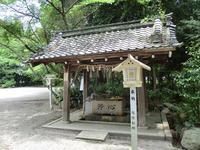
(20, 129)
(23, 94)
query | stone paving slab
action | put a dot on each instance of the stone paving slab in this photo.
(92, 135)
(120, 129)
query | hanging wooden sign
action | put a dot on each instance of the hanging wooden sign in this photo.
(131, 69)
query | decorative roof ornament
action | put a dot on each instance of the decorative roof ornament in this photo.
(156, 36)
(171, 30)
(157, 26)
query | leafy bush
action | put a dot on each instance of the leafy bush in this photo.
(8, 83)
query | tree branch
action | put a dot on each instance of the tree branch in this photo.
(31, 10)
(71, 6)
(84, 18)
(17, 37)
(37, 38)
(23, 13)
(61, 11)
(15, 52)
(52, 4)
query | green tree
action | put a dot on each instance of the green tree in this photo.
(188, 80)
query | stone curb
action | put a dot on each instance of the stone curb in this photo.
(168, 134)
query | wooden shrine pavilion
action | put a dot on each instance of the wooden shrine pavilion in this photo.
(106, 46)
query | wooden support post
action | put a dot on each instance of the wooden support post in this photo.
(66, 94)
(141, 104)
(85, 88)
(154, 76)
(145, 93)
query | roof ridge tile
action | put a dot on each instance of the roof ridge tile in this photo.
(105, 28)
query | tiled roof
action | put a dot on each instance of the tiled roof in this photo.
(110, 38)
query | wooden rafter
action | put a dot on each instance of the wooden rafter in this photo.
(112, 56)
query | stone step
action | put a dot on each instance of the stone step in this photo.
(92, 135)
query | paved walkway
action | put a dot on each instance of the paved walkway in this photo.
(21, 128)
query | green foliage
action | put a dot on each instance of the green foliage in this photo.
(51, 18)
(118, 11)
(36, 74)
(14, 49)
(188, 79)
(75, 94)
(7, 1)
(112, 85)
(9, 83)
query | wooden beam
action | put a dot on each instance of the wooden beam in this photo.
(140, 53)
(66, 94)
(141, 105)
(161, 59)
